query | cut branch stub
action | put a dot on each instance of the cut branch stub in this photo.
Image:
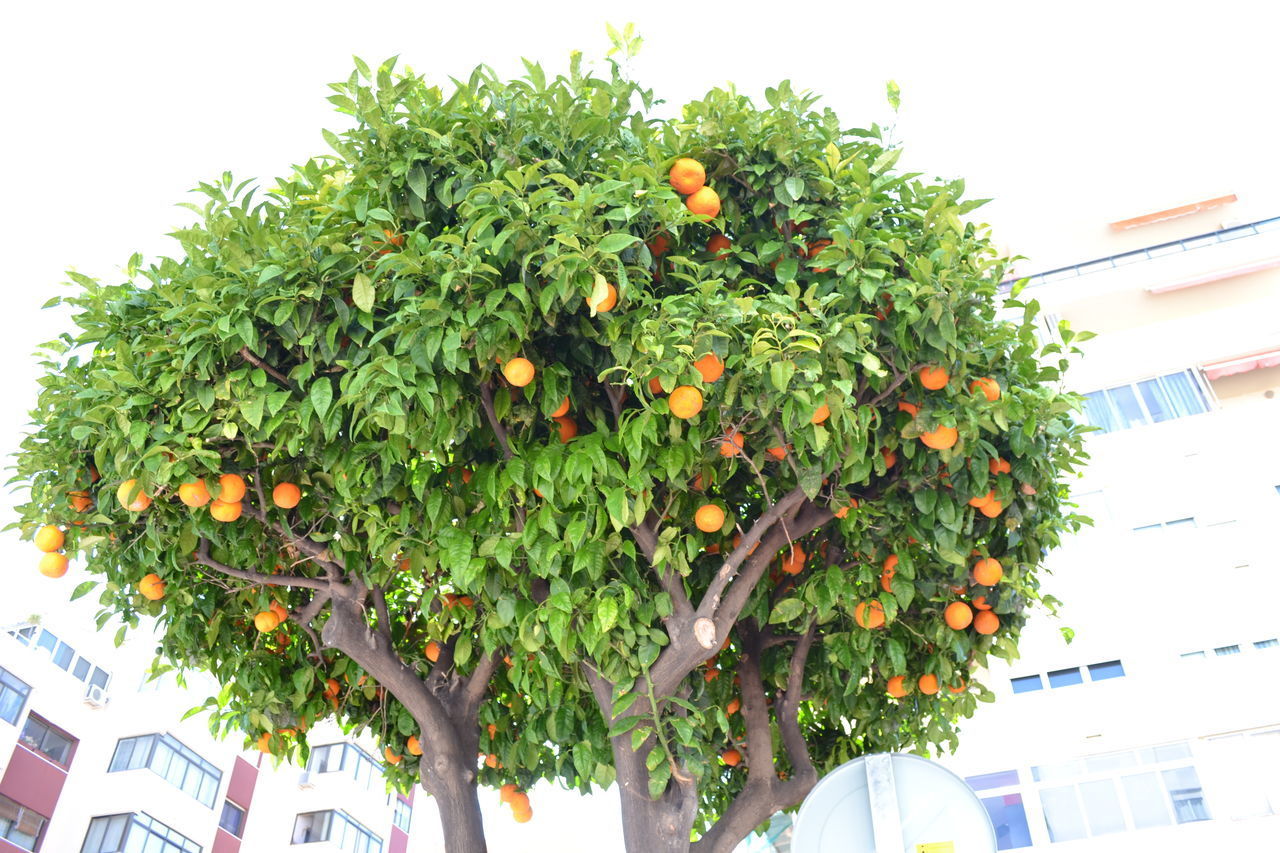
(704, 631)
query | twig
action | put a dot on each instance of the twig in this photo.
(257, 361)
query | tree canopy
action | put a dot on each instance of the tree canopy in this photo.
(602, 477)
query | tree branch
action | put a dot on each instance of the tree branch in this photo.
(898, 379)
(478, 682)
(788, 711)
(645, 533)
(316, 551)
(203, 558)
(384, 615)
(755, 710)
(256, 361)
(486, 400)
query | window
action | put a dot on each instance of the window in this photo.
(1150, 401)
(403, 814)
(1248, 778)
(61, 655)
(232, 819)
(135, 832)
(53, 744)
(1192, 655)
(1223, 651)
(346, 757)
(13, 696)
(1103, 671)
(338, 827)
(169, 759)
(1009, 817)
(27, 633)
(19, 825)
(987, 781)
(1026, 684)
(1159, 525)
(1065, 677)
(1267, 644)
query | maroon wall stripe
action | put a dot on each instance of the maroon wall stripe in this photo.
(399, 841)
(225, 842)
(33, 781)
(243, 778)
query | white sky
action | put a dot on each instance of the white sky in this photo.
(1072, 118)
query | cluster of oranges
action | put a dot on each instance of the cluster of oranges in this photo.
(689, 179)
(50, 539)
(518, 800)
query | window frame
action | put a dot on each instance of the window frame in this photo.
(146, 823)
(1198, 380)
(49, 729)
(21, 812)
(338, 821)
(205, 769)
(9, 684)
(238, 832)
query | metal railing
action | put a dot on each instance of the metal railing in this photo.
(1149, 253)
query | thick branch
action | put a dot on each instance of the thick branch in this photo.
(315, 550)
(256, 361)
(755, 710)
(384, 615)
(486, 400)
(788, 708)
(203, 558)
(645, 533)
(478, 682)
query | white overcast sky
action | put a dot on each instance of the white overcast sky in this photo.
(1069, 115)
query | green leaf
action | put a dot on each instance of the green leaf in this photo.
(362, 294)
(82, 589)
(786, 610)
(321, 396)
(614, 243)
(795, 187)
(607, 614)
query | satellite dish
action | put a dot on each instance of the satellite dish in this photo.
(892, 803)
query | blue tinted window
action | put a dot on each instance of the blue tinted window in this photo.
(1267, 644)
(987, 781)
(1026, 684)
(1009, 817)
(1065, 677)
(13, 696)
(1103, 671)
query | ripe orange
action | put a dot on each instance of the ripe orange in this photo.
(264, 742)
(432, 651)
(999, 466)
(391, 757)
(844, 510)
(266, 621)
(934, 378)
(232, 488)
(793, 563)
(992, 509)
(890, 458)
(887, 571)
(287, 495)
(53, 565)
(737, 540)
(731, 444)
(493, 730)
(709, 518)
(959, 688)
(331, 687)
(958, 615)
(988, 386)
(732, 707)
(897, 686)
(225, 510)
(562, 409)
(519, 800)
(466, 476)
(139, 503)
(194, 494)
(151, 587)
(659, 245)
(928, 684)
(941, 438)
(685, 402)
(731, 757)
(778, 453)
(869, 615)
(719, 245)
(687, 176)
(980, 602)
(710, 366)
(655, 386)
(506, 792)
(705, 203)
(821, 414)
(518, 371)
(49, 538)
(983, 500)
(567, 427)
(278, 609)
(711, 674)
(816, 247)
(491, 761)
(986, 622)
(988, 571)
(523, 814)
(910, 408)
(606, 302)
(80, 500)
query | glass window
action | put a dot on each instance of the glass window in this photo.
(1162, 398)
(1111, 761)
(1102, 806)
(1054, 772)
(1267, 644)
(81, 672)
(1103, 671)
(335, 757)
(232, 819)
(135, 833)
(987, 781)
(19, 825)
(174, 762)
(1124, 402)
(1168, 752)
(53, 744)
(1223, 651)
(48, 641)
(338, 827)
(403, 814)
(13, 696)
(1009, 817)
(1065, 677)
(1192, 655)
(27, 633)
(1146, 800)
(1062, 814)
(1183, 786)
(1026, 683)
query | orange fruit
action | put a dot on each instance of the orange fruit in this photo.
(821, 414)
(685, 402)
(562, 409)
(466, 476)
(331, 687)
(687, 176)
(506, 792)
(986, 622)
(910, 408)
(719, 246)
(793, 563)
(53, 565)
(659, 245)
(567, 427)
(391, 757)
(897, 686)
(958, 615)
(941, 438)
(194, 494)
(992, 509)
(49, 538)
(983, 500)
(731, 444)
(887, 571)
(869, 614)
(606, 302)
(523, 814)
(731, 757)
(816, 247)
(232, 488)
(732, 707)
(928, 684)
(80, 500)
(705, 203)
(737, 540)
(988, 571)
(278, 609)
(890, 458)
(934, 378)
(710, 366)
(140, 501)
(988, 386)
(225, 510)
(151, 587)
(999, 466)
(778, 453)
(432, 651)
(266, 621)
(980, 602)
(709, 518)
(959, 688)
(493, 730)
(287, 495)
(264, 742)
(711, 675)
(655, 386)
(491, 761)
(518, 371)
(844, 510)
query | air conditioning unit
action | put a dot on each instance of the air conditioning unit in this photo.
(95, 696)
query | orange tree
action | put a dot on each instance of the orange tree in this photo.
(688, 454)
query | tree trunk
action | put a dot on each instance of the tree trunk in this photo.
(459, 805)
(648, 825)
